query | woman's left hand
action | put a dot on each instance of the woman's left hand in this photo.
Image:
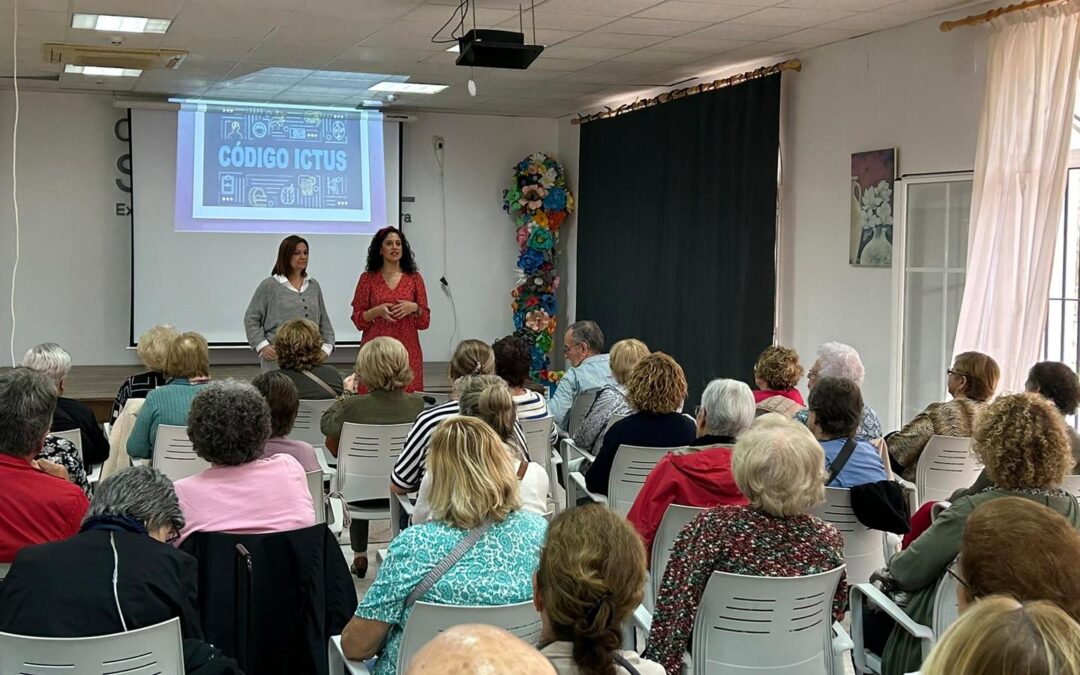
(404, 309)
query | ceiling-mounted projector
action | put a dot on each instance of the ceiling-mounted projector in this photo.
(487, 48)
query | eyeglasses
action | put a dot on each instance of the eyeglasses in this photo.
(954, 575)
(173, 535)
(567, 347)
(957, 373)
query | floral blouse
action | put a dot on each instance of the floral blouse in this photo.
(610, 401)
(739, 540)
(63, 452)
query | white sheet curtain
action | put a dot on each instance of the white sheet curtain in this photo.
(1020, 177)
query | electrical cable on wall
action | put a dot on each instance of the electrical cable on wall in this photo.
(438, 146)
(14, 171)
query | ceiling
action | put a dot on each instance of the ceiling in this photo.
(598, 51)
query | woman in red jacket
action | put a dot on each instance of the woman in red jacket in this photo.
(390, 299)
(700, 476)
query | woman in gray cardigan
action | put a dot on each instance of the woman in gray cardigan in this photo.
(287, 294)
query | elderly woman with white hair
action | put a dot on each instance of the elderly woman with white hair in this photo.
(700, 475)
(780, 469)
(836, 359)
(54, 361)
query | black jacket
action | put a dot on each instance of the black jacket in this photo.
(70, 414)
(64, 589)
(302, 595)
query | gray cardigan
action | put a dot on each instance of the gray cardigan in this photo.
(275, 302)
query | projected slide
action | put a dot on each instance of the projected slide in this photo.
(283, 169)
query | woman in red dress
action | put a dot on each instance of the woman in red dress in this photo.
(390, 298)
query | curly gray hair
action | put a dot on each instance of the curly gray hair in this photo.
(229, 423)
(141, 492)
(48, 358)
(836, 359)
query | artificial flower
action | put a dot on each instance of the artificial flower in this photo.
(541, 239)
(539, 360)
(555, 199)
(512, 195)
(530, 260)
(543, 341)
(537, 320)
(532, 197)
(555, 219)
(540, 218)
(522, 235)
(555, 283)
(548, 178)
(532, 302)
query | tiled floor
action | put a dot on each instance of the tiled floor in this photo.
(378, 536)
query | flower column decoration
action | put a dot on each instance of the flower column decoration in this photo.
(539, 201)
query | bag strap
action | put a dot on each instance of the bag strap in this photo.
(841, 460)
(319, 381)
(463, 546)
(621, 660)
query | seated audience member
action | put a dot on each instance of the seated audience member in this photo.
(583, 346)
(590, 580)
(241, 492)
(836, 359)
(972, 381)
(300, 355)
(37, 502)
(471, 357)
(153, 347)
(487, 398)
(280, 394)
(512, 364)
(134, 513)
(1022, 442)
(474, 487)
(611, 400)
(1020, 548)
(63, 452)
(475, 648)
(1000, 636)
(779, 469)
(54, 361)
(187, 367)
(776, 373)
(835, 410)
(701, 475)
(657, 390)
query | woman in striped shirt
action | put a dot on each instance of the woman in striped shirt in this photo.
(512, 362)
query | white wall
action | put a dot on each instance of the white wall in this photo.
(74, 276)
(912, 88)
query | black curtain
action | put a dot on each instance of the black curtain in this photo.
(677, 228)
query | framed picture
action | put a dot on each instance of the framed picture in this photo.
(872, 177)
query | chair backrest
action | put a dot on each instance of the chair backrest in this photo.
(173, 454)
(428, 620)
(675, 519)
(538, 439)
(582, 402)
(308, 417)
(366, 456)
(778, 625)
(946, 606)
(629, 470)
(863, 553)
(145, 651)
(315, 486)
(946, 465)
(4, 567)
(1072, 485)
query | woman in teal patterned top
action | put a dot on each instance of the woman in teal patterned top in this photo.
(473, 481)
(187, 365)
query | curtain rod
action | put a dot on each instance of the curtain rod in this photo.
(985, 17)
(791, 64)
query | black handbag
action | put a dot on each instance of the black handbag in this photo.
(880, 505)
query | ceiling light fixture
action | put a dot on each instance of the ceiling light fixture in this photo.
(408, 87)
(101, 71)
(121, 24)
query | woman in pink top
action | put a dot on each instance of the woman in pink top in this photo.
(241, 492)
(279, 390)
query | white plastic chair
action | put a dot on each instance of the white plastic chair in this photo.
(4, 567)
(308, 417)
(676, 517)
(629, 470)
(582, 402)
(325, 505)
(173, 454)
(863, 550)
(146, 651)
(946, 465)
(1072, 485)
(538, 439)
(366, 456)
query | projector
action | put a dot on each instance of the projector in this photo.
(486, 48)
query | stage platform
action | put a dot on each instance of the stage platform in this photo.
(96, 385)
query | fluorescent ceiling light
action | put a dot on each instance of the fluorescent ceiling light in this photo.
(408, 87)
(372, 103)
(101, 71)
(456, 48)
(120, 24)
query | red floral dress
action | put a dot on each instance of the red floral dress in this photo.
(372, 291)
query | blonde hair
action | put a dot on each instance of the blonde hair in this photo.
(1000, 636)
(188, 356)
(472, 357)
(780, 467)
(154, 346)
(657, 385)
(298, 344)
(591, 577)
(1022, 441)
(473, 478)
(383, 364)
(487, 397)
(624, 355)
